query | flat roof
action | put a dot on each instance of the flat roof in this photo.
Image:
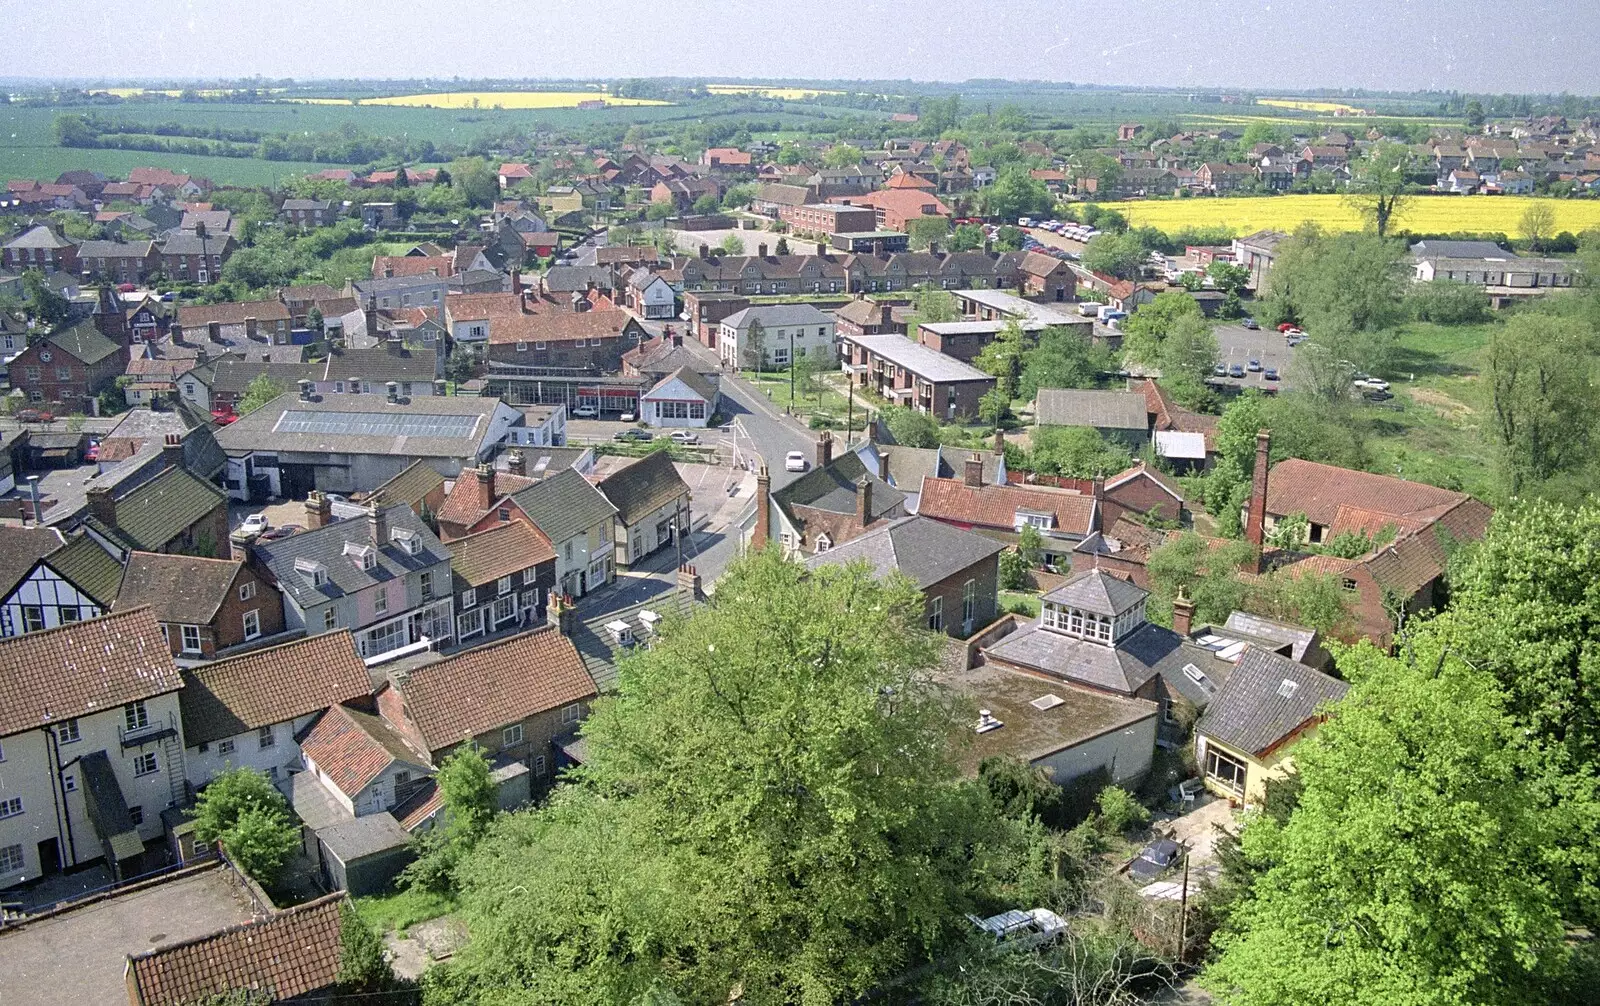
(919, 359)
(979, 327)
(1010, 303)
(429, 426)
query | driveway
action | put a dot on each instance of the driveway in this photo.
(1237, 344)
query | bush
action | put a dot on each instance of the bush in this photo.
(243, 811)
(1448, 303)
(1120, 812)
(822, 421)
(1013, 570)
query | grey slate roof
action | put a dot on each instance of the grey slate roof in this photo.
(1459, 249)
(187, 243)
(777, 315)
(564, 505)
(388, 361)
(567, 278)
(595, 644)
(1098, 591)
(923, 549)
(1265, 699)
(833, 488)
(306, 204)
(325, 545)
(926, 363)
(1299, 638)
(1112, 410)
(84, 342)
(691, 380)
(1147, 652)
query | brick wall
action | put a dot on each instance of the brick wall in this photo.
(986, 577)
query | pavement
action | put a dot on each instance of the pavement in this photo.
(1237, 344)
(78, 956)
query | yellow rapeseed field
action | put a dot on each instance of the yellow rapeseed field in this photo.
(1425, 214)
(786, 93)
(1309, 106)
(489, 99)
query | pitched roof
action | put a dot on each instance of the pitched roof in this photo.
(178, 588)
(352, 748)
(833, 488)
(1120, 410)
(996, 506)
(1147, 652)
(1319, 490)
(275, 685)
(391, 360)
(486, 556)
(324, 547)
(412, 485)
(563, 505)
(20, 548)
(1097, 591)
(777, 315)
(232, 313)
(1265, 699)
(643, 487)
(925, 363)
(491, 686)
(908, 203)
(461, 505)
(82, 668)
(291, 953)
(923, 549)
(552, 322)
(160, 509)
(389, 266)
(84, 342)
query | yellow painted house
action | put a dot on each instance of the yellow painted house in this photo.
(562, 199)
(1268, 702)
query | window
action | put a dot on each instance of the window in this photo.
(136, 814)
(63, 373)
(1226, 769)
(505, 608)
(538, 765)
(936, 614)
(32, 618)
(380, 600)
(578, 343)
(33, 373)
(69, 782)
(969, 602)
(401, 778)
(426, 581)
(540, 344)
(225, 747)
(190, 636)
(11, 807)
(530, 576)
(247, 590)
(1349, 584)
(570, 714)
(252, 624)
(569, 552)
(67, 732)
(135, 716)
(505, 514)
(266, 737)
(470, 623)
(522, 347)
(330, 618)
(67, 614)
(503, 586)
(11, 859)
(145, 764)
(511, 735)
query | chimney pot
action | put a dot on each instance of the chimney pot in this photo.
(319, 510)
(516, 463)
(825, 449)
(486, 495)
(689, 580)
(172, 451)
(378, 522)
(972, 472)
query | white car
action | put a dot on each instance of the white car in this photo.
(627, 417)
(1372, 384)
(585, 412)
(255, 523)
(1017, 929)
(684, 437)
(794, 461)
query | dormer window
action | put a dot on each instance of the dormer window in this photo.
(1034, 518)
(313, 572)
(410, 541)
(365, 556)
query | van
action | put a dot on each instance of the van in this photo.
(1024, 221)
(1106, 312)
(1089, 309)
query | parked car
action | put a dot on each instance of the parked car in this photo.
(1367, 383)
(685, 437)
(222, 417)
(1254, 366)
(35, 416)
(281, 531)
(1286, 327)
(1270, 374)
(1018, 929)
(255, 523)
(1155, 859)
(628, 417)
(1235, 371)
(336, 498)
(1221, 370)
(585, 412)
(92, 452)
(1377, 395)
(626, 435)
(1249, 323)
(794, 461)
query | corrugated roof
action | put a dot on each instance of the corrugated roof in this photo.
(274, 685)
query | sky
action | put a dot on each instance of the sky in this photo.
(1534, 47)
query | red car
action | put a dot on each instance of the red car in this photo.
(35, 416)
(1285, 327)
(93, 452)
(222, 417)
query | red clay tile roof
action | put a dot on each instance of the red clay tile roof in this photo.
(906, 180)
(292, 953)
(1408, 564)
(1140, 469)
(352, 748)
(384, 266)
(83, 668)
(232, 313)
(274, 685)
(952, 501)
(461, 506)
(491, 686)
(908, 203)
(500, 551)
(550, 322)
(1318, 491)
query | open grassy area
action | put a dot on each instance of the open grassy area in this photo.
(832, 401)
(496, 99)
(1021, 602)
(403, 909)
(1425, 214)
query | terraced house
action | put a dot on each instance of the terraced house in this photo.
(847, 273)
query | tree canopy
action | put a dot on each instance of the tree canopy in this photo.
(241, 809)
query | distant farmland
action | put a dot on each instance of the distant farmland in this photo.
(508, 100)
(1425, 215)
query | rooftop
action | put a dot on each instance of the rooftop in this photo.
(1266, 700)
(178, 588)
(917, 358)
(352, 748)
(273, 685)
(1013, 306)
(486, 556)
(431, 426)
(1121, 410)
(923, 549)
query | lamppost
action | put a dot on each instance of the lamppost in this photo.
(791, 368)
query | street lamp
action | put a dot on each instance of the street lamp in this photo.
(791, 368)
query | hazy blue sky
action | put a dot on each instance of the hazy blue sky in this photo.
(1404, 44)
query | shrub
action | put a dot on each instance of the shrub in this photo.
(1120, 812)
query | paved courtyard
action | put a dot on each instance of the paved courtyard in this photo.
(77, 957)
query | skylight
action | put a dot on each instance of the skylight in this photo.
(1288, 688)
(1049, 701)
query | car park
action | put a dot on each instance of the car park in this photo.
(1220, 370)
(1249, 323)
(1270, 374)
(1254, 366)
(1287, 326)
(628, 417)
(635, 435)
(794, 461)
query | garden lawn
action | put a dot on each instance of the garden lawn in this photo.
(775, 385)
(399, 911)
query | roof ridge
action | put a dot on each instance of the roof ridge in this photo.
(256, 654)
(281, 913)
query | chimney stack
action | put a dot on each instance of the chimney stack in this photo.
(562, 613)
(863, 501)
(438, 389)
(1097, 487)
(704, 251)
(972, 472)
(1182, 614)
(393, 390)
(689, 580)
(822, 249)
(1256, 519)
(516, 463)
(172, 451)
(319, 510)
(305, 391)
(763, 531)
(883, 463)
(825, 449)
(214, 331)
(486, 495)
(1000, 442)
(378, 521)
(516, 282)
(101, 506)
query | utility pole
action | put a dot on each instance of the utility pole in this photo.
(1183, 912)
(791, 368)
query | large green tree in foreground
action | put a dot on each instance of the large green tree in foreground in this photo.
(769, 806)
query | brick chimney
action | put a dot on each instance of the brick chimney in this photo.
(562, 613)
(319, 510)
(516, 282)
(305, 391)
(689, 580)
(516, 463)
(883, 464)
(972, 472)
(1097, 486)
(763, 531)
(761, 250)
(101, 506)
(864, 501)
(1256, 519)
(825, 449)
(485, 483)
(378, 521)
(822, 249)
(1182, 614)
(1000, 442)
(172, 451)
(214, 331)
(704, 251)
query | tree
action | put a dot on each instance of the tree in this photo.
(924, 231)
(754, 345)
(315, 321)
(1380, 189)
(261, 390)
(1227, 276)
(768, 805)
(661, 211)
(1206, 573)
(707, 204)
(931, 304)
(241, 809)
(1144, 333)
(1002, 358)
(806, 368)
(732, 244)
(1008, 238)
(1015, 194)
(1120, 255)
(1062, 359)
(908, 427)
(476, 182)
(842, 155)
(1416, 866)
(1076, 451)
(48, 306)
(1187, 355)
(782, 247)
(966, 237)
(1540, 368)
(1474, 116)
(1538, 224)
(363, 969)
(993, 407)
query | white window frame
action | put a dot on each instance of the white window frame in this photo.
(380, 601)
(11, 807)
(251, 621)
(226, 747)
(12, 860)
(267, 737)
(502, 586)
(247, 590)
(936, 613)
(68, 731)
(572, 713)
(511, 735)
(186, 633)
(330, 619)
(469, 597)
(135, 715)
